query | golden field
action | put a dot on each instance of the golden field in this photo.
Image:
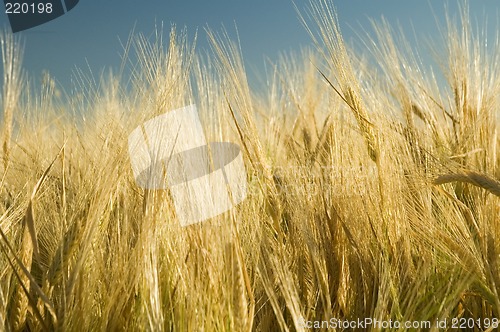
(372, 189)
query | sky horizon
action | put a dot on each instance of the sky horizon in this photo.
(89, 36)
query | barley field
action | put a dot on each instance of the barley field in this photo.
(372, 189)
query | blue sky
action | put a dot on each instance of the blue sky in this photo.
(91, 32)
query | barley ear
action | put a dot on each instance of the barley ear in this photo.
(19, 302)
(474, 178)
(238, 294)
(330, 44)
(16, 319)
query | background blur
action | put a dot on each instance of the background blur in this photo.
(90, 36)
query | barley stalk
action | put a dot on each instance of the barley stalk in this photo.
(19, 301)
(239, 300)
(3, 306)
(12, 85)
(474, 178)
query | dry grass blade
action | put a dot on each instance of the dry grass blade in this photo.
(3, 306)
(17, 314)
(48, 304)
(19, 303)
